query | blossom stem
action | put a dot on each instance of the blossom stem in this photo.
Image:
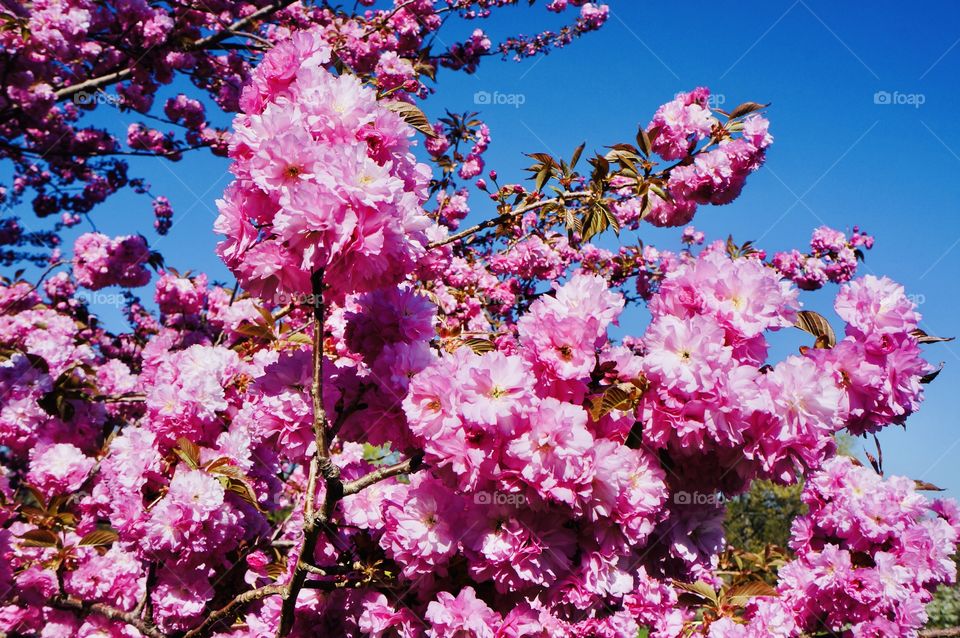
(511, 214)
(227, 611)
(119, 75)
(111, 613)
(313, 521)
(412, 464)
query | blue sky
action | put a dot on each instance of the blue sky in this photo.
(864, 115)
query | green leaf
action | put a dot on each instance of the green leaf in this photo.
(300, 338)
(543, 158)
(928, 378)
(597, 218)
(544, 174)
(576, 156)
(40, 538)
(257, 331)
(479, 345)
(412, 116)
(612, 220)
(923, 337)
(99, 538)
(243, 489)
(659, 192)
(746, 109)
(570, 221)
(377, 454)
(189, 452)
(622, 396)
(643, 142)
(740, 595)
(699, 589)
(818, 326)
(267, 316)
(227, 469)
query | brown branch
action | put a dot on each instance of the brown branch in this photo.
(119, 75)
(35, 286)
(511, 214)
(404, 467)
(239, 25)
(940, 633)
(94, 84)
(111, 613)
(230, 609)
(265, 45)
(320, 465)
(121, 398)
(329, 570)
(355, 406)
(144, 608)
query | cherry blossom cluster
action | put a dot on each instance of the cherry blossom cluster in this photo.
(553, 459)
(592, 16)
(868, 555)
(99, 261)
(833, 257)
(325, 180)
(445, 150)
(67, 59)
(396, 425)
(714, 176)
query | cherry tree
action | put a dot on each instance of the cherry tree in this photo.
(398, 424)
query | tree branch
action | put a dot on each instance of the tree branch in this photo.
(496, 221)
(119, 75)
(404, 467)
(111, 613)
(320, 465)
(227, 611)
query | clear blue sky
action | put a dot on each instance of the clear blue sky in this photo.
(840, 158)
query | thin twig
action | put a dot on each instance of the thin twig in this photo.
(320, 465)
(34, 287)
(111, 613)
(231, 608)
(511, 214)
(404, 467)
(214, 38)
(142, 605)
